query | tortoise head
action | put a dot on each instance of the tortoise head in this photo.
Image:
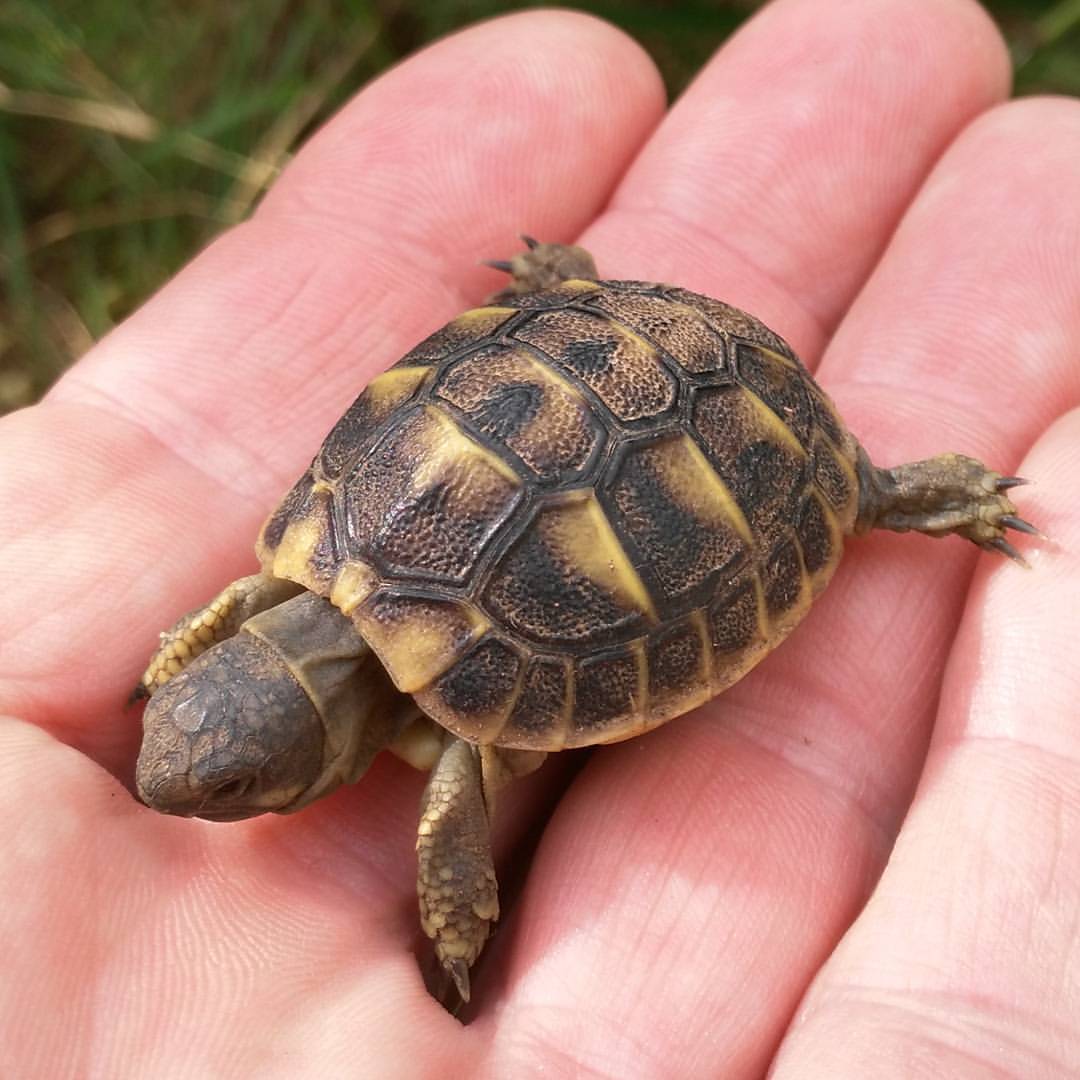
(231, 736)
(291, 706)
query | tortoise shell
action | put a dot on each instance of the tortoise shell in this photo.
(569, 517)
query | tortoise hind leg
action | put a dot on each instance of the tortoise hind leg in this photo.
(945, 494)
(543, 266)
(456, 884)
(194, 633)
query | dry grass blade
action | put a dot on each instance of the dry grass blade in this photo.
(65, 224)
(124, 120)
(129, 122)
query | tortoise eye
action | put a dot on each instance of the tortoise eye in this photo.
(235, 788)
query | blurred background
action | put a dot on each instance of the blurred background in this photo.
(131, 133)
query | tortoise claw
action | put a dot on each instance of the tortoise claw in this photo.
(459, 972)
(529, 241)
(1011, 521)
(504, 265)
(1003, 483)
(138, 694)
(1000, 544)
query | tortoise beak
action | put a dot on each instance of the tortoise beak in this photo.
(168, 794)
(173, 794)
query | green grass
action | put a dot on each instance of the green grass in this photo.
(131, 133)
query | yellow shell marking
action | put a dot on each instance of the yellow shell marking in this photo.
(419, 744)
(416, 650)
(701, 624)
(481, 315)
(546, 373)
(453, 445)
(777, 429)
(694, 485)
(292, 558)
(354, 583)
(779, 358)
(395, 385)
(836, 542)
(764, 626)
(583, 538)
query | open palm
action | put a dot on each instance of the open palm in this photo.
(707, 899)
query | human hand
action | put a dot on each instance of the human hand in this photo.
(829, 172)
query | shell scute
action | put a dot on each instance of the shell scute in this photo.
(476, 695)
(679, 667)
(736, 623)
(763, 469)
(508, 396)
(608, 694)
(355, 432)
(467, 329)
(567, 579)
(817, 536)
(417, 637)
(780, 384)
(677, 514)
(542, 712)
(293, 505)
(622, 369)
(427, 499)
(783, 580)
(833, 476)
(731, 321)
(680, 330)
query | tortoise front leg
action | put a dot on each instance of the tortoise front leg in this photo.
(456, 884)
(192, 634)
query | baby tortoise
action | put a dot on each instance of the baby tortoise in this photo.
(561, 520)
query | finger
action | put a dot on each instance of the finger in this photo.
(777, 179)
(966, 956)
(693, 880)
(979, 359)
(141, 481)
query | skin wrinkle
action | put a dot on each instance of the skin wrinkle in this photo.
(957, 1024)
(966, 739)
(944, 204)
(25, 693)
(829, 778)
(829, 783)
(166, 420)
(96, 398)
(545, 1038)
(561, 100)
